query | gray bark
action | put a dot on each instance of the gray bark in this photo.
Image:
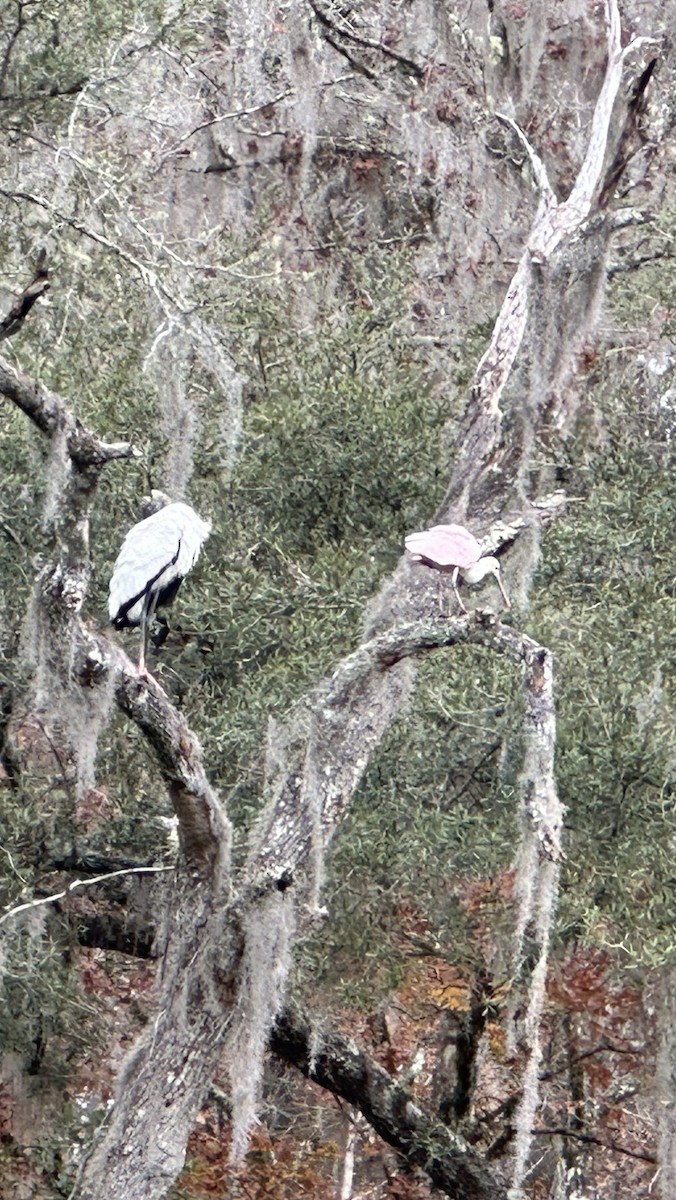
(341, 1067)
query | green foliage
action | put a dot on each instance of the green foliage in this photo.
(43, 1010)
(608, 586)
(54, 47)
(604, 600)
(343, 438)
(280, 591)
(436, 810)
(335, 466)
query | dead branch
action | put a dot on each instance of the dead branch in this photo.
(229, 116)
(561, 1131)
(538, 870)
(21, 307)
(630, 134)
(324, 724)
(339, 1066)
(554, 225)
(340, 32)
(17, 909)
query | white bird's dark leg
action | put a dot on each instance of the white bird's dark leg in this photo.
(144, 639)
(146, 618)
(454, 580)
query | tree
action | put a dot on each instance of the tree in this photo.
(227, 955)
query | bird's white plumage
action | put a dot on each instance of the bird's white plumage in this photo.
(156, 552)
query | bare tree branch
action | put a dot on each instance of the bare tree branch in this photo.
(341, 32)
(51, 414)
(336, 1063)
(339, 1066)
(21, 307)
(205, 912)
(561, 1131)
(17, 909)
(631, 131)
(554, 224)
(333, 712)
(229, 116)
(204, 831)
(146, 272)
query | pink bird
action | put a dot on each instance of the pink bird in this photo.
(453, 548)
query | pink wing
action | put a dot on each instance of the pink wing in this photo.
(445, 546)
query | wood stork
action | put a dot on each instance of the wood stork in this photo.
(155, 557)
(453, 548)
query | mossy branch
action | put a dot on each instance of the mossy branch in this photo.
(338, 1065)
(52, 414)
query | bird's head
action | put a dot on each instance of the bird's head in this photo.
(479, 570)
(154, 502)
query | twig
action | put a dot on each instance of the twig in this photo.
(77, 883)
(229, 116)
(635, 264)
(538, 167)
(586, 1137)
(149, 276)
(343, 30)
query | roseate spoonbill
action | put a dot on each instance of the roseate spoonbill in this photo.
(453, 548)
(155, 557)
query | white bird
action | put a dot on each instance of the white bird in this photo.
(453, 548)
(155, 557)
